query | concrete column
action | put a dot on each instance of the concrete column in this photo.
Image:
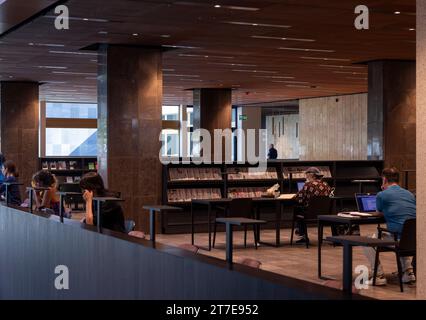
(213, 110)
(19, 140)
(391, 113)
(421, 149)
(129, 125)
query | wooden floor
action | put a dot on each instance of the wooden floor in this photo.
(299, 262)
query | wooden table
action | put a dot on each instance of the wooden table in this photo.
(210, 203)
(153, 209)
(257, 202)
(328, 220)
(348, 243)
(230, 223)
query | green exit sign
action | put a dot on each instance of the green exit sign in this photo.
(243, 117)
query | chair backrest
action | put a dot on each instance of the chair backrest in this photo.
(129, 225)
(241, 207)
(407, 242)
(318, 206)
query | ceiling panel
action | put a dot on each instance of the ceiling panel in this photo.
(269, 50)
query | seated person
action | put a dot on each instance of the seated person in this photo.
(2, 161)
(314, 187)
(397, 205)
(112, 216)
(11, 175)
(46, 199)
(272, 153)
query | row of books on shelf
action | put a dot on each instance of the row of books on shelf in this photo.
(183, 174)
(299, 172)
(69, 179)
(186, 195)
(246, 192)
(66, 165)
(191, 174)
(251, 174)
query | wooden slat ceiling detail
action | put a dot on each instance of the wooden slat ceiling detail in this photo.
(216, 47)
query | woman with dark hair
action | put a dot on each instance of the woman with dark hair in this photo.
(11, 175)
(2, 161)
(47, 198)
(111, 212)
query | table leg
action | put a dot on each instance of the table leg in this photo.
(7, 194)
(278, 224)
(192, 224)
(31, 200)
(152, 225)
(320, 235)
(229, 244)
(209, 212)
(61, 208)
(98, 216)
(347, 268)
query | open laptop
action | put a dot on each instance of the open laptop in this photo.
(366, 202)
(300, 185)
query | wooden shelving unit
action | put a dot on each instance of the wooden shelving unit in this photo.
(342, 173)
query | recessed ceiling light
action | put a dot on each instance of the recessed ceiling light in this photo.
(412, 29)
(242, 23)
(45, 44)
(283, 38)
(135, 34)
(74, 52)
(254, 71)
(217, 6)
(325, 59)
(306, 50)
(85, 19)
(179, 47)
(342, 67)
(50, 67)
(397, 12)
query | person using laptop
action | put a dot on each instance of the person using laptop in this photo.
(313, 187)
(397, 205)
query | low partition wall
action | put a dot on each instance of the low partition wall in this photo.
(114, 266)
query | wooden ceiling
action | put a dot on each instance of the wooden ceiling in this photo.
(255, 47)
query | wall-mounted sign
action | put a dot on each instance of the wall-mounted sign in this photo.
(243, 117)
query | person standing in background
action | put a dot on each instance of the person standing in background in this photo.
(2, 161)
(273, 153)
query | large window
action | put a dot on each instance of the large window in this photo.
(68, 129)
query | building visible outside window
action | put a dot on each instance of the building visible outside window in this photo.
(170, 113)
(170, 134)
(77, 136)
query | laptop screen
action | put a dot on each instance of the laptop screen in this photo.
(366, 202)
(300, 185)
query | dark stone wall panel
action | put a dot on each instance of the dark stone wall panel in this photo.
(19, 104)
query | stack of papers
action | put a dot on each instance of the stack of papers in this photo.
(354, 214)
(287, 196)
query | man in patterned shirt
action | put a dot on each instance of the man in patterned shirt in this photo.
(314, 187)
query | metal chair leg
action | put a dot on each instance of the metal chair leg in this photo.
(245, 236)
(292, 231)
(376, 266)
(214, 234)
(398, 262)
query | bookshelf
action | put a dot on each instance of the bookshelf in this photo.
(183, 182)
(68, 170)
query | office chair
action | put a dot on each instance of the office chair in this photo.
(405, 247)
(317, 206)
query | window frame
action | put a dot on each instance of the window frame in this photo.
(60, 123)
